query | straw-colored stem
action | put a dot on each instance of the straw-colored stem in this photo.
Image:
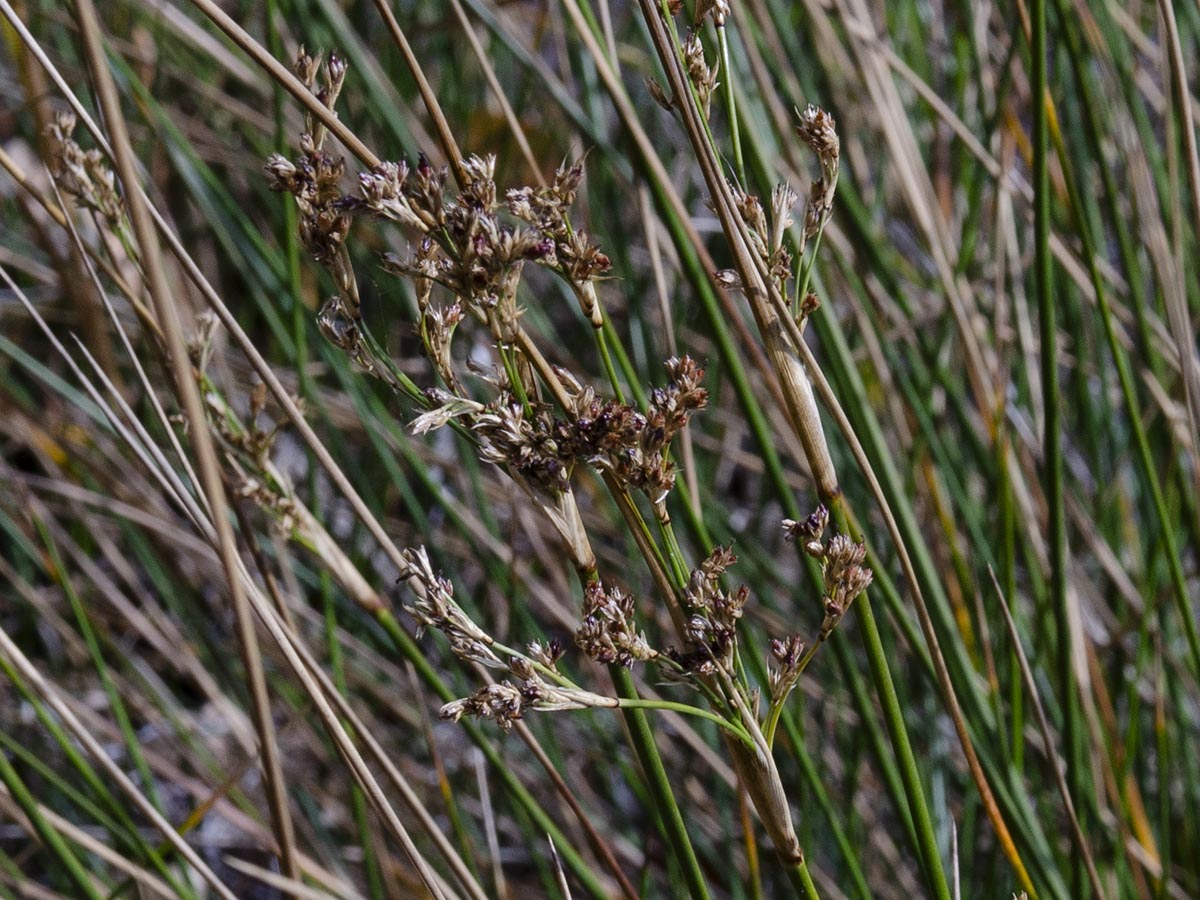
(189, 394)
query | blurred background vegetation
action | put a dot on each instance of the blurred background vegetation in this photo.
(954, 329)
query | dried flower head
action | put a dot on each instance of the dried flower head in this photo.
(728, 279)
(314, 179)
(524, 442)
(556, 244)
(84, 174)
(507, 702)
(845, 577)
(503, 702)
(842, 564)
(809, 305)
(703, 78)
(819, 131)
(608, 633)
(783, 200)
(547, 654)
(719, 10)
(306, 67)
(713, 614)
(382, 192)
(810, 531)
(434, 607)
(786, 657)
(335, 77)
(659, 94)
(631, 445)
(341, 328)
(817, 210)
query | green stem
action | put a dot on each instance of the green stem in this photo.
(1043, 285)
(609, 369)
(893, 715)
(735, 134)
(46, 832)
(514, 377)
(802, 881)
(659, 783)
(806, 269)
(679, 566)
(734, 729)
(910, 776)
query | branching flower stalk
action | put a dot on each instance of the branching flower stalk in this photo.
(818, 130)
(86, 176)
(473, 246)
(774, 321)
(768, 307)
(845, 579)
(752, 272)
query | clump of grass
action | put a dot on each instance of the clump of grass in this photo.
(516, 445)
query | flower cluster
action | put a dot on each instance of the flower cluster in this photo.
(468, 244)
(818, 130)
(466, 247)
(719, 10)
(702, 76)
(615, 437)
(570, 252)
(84, 175)
(713, 614)
(547, 208)
(526, 442)
(842, 567)
(765, 231)
(314, 179)
(787, 656)
(507, 701)
(634, 446)
(808, 532)
(845, 577)
(607, 633)
(434, 607)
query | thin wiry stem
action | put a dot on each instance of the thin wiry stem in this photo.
(208, 465)
(659, 783)
(445, 135)
(46, 832)
(801, 407)
(1077, 836)
(16, 661)
(1052, 458)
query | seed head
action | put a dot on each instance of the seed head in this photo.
(703, 78)
(786, 655)
(711, 628)
(718, 9)
(608, 633)
(818, 129)
(434, 606)
(810, 530)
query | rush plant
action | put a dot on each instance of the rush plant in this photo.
(469, 449)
